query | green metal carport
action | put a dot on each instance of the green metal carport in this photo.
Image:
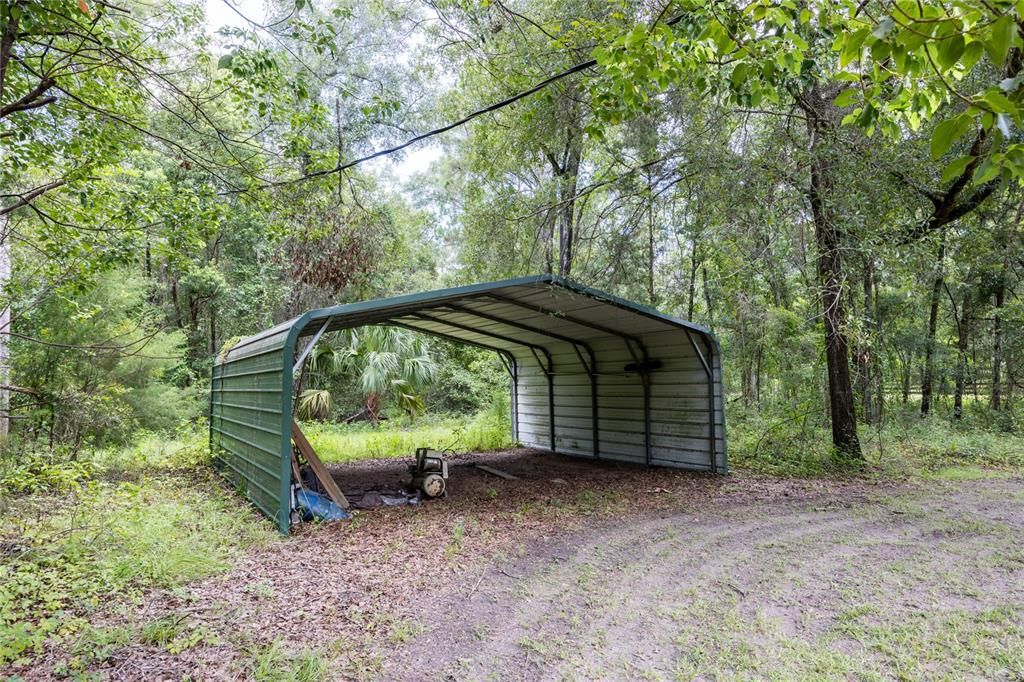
(592, 376)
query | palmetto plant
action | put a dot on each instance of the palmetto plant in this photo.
(387, 363)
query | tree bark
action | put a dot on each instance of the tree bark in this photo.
(5, 324)
(996, 400)
(693, 281)
(566, 171)
(865, 357)
(962, 333)
(829, 238)
(933, 323)
(905, 379)
(650, 255)
(878, 370)
(707, 295)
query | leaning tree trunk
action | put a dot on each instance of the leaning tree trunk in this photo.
(933, 322)
(829, 237)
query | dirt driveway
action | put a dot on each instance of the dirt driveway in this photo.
(912, 583)
(608, 572)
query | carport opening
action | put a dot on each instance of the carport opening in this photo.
(381, 391)
(591, 376)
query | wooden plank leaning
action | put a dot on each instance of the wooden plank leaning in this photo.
(324, 476)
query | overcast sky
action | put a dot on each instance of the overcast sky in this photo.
(219, 13)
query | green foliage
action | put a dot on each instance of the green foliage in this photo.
(386, 363)
(467, 379)
(185, 450)
(488, 430)
(905, 64)
(43, 472)
(314, 405)
(905, 446)
(67, 555)
(102, 366)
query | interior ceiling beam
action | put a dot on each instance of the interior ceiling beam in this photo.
(456, 325)
(441, 335)
(533, 330)
(629, 339)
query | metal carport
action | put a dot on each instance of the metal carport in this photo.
(592, 375)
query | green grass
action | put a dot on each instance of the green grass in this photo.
(275, 663)
(720, 642)
(906, 446)
(352, 442)
(69, 553)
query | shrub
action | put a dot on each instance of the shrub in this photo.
(70, 554)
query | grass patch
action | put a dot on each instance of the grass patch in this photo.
(968, 472)
(722, 643)
(906, 446)
(954, 644)
(274, 663)
(68, 554)
(400, 438)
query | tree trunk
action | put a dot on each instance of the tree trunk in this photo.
(709, 311)
(567, 183)
(996, 401)
(829, 238)
(906, 371)
(693, 281)
(1011, 379)
(865, 357)
(565, 168)
(213, 329)
(933, 321)
(5, 324)
(178, 317)
(963, 331)
(651, 298)
(877, 365)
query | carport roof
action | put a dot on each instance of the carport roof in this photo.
(509, 316)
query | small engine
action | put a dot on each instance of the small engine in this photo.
(430, 472)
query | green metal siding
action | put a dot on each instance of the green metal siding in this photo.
(245, 426)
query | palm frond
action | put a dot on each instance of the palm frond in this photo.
(314, 405)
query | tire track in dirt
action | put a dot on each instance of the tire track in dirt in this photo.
(709, 548)
(611, 603)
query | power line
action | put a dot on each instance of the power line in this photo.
(582, 66)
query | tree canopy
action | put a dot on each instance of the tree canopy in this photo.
(832, 187)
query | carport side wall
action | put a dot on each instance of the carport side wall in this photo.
(250, 398)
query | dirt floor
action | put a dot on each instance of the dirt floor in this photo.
(582, 570)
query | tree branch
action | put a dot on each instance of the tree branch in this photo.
(31, 99)
(29, 197)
